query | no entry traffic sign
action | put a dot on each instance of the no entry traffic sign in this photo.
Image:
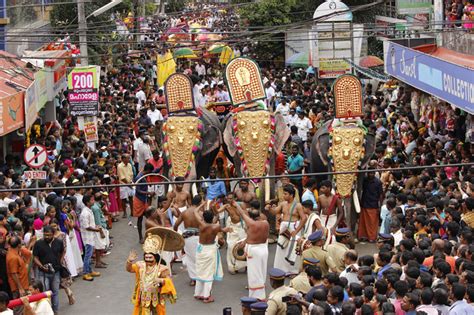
(35, 156)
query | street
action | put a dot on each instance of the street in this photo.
(111, 292)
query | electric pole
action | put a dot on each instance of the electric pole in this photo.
(81, 17)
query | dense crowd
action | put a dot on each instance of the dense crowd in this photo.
(420, 219)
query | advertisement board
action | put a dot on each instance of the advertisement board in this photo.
(445, 80)
(12, 116)
(83, 87)
(332, 68)
(41, 89)
(31, 109)
(413, 6)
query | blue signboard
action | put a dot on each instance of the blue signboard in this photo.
(445, 80)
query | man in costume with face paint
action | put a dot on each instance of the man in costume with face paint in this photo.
(153, 284)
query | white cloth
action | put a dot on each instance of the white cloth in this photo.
(189, 258)
(69, 258)
(208, 269)
(76, 251)
(304, 125)
(233, 237)
(42, 307)
(282, 253)
(101, 243)
(328, 225)
(179, 254)
(257, 257)
(126, 192)
(308, 228)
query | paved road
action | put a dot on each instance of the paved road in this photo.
(110, 293)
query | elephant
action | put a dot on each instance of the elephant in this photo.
(281, 135)
(319, 152)
(211, 141)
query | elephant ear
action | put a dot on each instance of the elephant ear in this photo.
(282, 133)
(211, 136)
(320, 143)
(369, 147)
(229, 137)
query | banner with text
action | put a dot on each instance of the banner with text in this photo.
(445, 80)
(83, 86)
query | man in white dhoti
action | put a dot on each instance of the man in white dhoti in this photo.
(293, 219)
(331, 213)
(208, 260)
(188, 220)
(256, 250)
(234, 221)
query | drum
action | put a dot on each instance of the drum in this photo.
(238, 251)
(286, 233)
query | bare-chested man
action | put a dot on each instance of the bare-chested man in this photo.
(330, 206)
(293, 219)
(256, 249)
(208, 260)
(233, 219)
(180, 198)
(243, 194)
(191, 235)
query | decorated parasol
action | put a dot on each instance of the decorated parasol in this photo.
(184, 53)
(370, 61)
(216, 48)
(171, 241)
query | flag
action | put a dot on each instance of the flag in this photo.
(227, 55)
(166, 66)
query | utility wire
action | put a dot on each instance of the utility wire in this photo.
(197, 181)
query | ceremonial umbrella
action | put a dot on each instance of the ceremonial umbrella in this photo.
(171, 240)
(300, 59)
(216, 48)
(184, 53)
(370, 61)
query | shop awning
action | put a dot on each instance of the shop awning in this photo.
(15, 79)
(443, 73)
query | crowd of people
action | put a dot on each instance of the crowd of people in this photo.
(420, 219)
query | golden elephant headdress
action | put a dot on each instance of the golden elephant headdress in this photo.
(347, 132)
(182, 129)
(253, 130)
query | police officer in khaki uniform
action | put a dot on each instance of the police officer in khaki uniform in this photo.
(326, 263)
(301, 282)
(275, 304)
(337, 249)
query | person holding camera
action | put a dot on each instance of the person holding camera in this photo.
(48, 254)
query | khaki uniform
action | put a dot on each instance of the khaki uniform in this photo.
(325, 261)
(275, 304)
(337, 251)
(301, 283)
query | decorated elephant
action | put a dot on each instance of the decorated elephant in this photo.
(252, 134)
(344, 144)
(191, 140)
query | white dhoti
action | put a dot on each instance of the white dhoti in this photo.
(179, 254)
(257, 257)
(189, 258)
(236, 235)
(69, 258)
(328, 223)
(101, 243)
(287, 253)
(208, 269)
(168, 258)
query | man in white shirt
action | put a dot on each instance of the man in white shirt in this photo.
(270, 91)
(304, 125)
(284, 109)
(4, 200)
(144, 153)
(292, 117)
(154, 114)
(141, 96)
(350, 272)
(396, 231)
(200, 69)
